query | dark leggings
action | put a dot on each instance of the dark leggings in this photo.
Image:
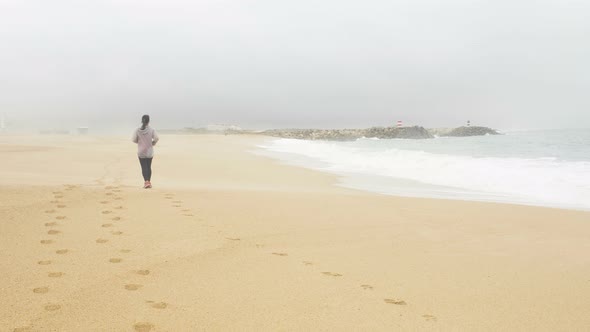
(146, 168)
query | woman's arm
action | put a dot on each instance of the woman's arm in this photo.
(135, 138)
(155, 138)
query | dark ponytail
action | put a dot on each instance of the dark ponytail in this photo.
(145, 120)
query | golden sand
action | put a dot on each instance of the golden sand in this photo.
(228, 240)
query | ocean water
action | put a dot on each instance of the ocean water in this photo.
(544, 168)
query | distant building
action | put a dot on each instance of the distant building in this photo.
(222, 127)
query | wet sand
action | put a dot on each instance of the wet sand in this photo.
(228, 240)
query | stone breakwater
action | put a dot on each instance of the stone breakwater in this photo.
(415, 132)
(470, 131)
(350, 134)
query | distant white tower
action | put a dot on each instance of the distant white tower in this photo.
(399, 123)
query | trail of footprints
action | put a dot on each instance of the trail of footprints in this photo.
(111, 193)
(54, 232)
(366, 287)
(178, 204)
(133, 287)
(113, 219)
(398, 302)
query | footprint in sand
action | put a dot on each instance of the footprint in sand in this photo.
(55, 274)
(176, 205)
(118, 198)
(54, 202)
(44, 262)
(50, 211)
(46, 241)
(233, 238)
(117, 233)
(107, 225)
(109, 194)
(23, 329)
(125, 251)
(61, 206)
(53, 232)
(307, 263)
(132, 287)
(106, 212)
(115, 260)
(158, 305)
(332, 274)
(143, 327)
(49, 224)
(116, 218)
(259, 245)
(60, 217)
(186, 210)
(119, 207)
(394, 301)
(142, 272)
(41, 290)
(188, 214)
(102, 240)
(109, 187)
(58, 196)
(367, 287)
(104, 202)
(56, 192)
(62, 251)
(429, 318)
(280, 254)
(177, 202)
(117, 190)
(52, 307)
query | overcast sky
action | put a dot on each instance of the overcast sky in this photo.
(268, 63)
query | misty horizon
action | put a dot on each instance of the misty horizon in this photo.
(260, 64)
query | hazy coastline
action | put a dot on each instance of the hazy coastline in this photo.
(319, 165)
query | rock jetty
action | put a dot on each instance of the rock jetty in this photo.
(415, 132)
(470, 131)
(351, 134)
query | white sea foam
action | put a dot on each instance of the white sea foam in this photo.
(377, 166)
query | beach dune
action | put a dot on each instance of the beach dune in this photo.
(230, 240)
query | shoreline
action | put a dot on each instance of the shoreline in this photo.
(231, 240)
(354, 174)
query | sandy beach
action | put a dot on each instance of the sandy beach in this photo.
(230, 240)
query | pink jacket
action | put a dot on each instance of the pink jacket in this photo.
(145, 139)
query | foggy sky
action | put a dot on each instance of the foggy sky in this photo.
(507, 64)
